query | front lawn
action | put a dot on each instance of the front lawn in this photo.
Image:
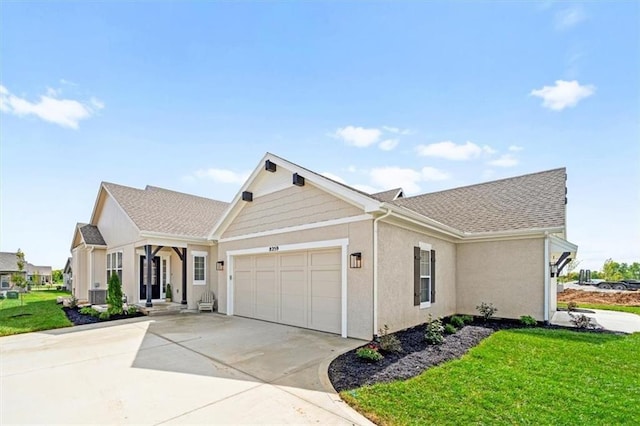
(619, 308)
(520, 376)
(40, 312)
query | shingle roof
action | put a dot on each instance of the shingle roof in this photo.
(8, 262)
(164, 211)
(531, 201)
(387, 196)
(91, 234)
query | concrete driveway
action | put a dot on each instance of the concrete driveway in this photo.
(624, 322)
(181, 369)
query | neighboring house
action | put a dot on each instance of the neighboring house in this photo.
(44, 274)
(8, 267)
(67, 274)
(297, 248)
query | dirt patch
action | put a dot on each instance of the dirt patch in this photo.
(619, 298)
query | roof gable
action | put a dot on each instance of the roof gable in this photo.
(8, 262)
(533, 201)
(389, 195)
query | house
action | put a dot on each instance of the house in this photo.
(297, 248)
(9, 267)
(67, 274)
(40, 273)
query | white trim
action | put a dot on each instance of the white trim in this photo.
(561, 245)
(204, 254)
(426, 247)
(343, 243)
(425, 305)
(547, 278)
(297, 228)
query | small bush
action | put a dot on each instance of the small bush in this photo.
(89, 311)
(369, 353)
(132, 309)
(114, 295)
(457, 321)
(450, 329)
(487, 310)
(528, 321)
(388, 342)
(73, 302)
(581, 321)
(104, 316)
(572, 306)
(468, 319)
(434, 334)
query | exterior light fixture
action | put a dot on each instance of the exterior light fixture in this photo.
(220, 265)
(355, 260)
(554, 269)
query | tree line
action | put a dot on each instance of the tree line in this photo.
(611, 271)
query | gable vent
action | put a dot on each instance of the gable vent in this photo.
(270, 166)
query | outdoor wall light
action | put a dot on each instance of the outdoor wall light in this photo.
(220, 265)
(355, 260)
(554, 269)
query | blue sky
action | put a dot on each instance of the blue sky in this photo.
(425, 95)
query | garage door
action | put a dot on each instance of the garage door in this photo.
(295, 288)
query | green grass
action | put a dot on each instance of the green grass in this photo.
(619, 308)
(524, 376)
(40, 312)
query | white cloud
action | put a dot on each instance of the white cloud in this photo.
(564, 94)
(334, 177)
(394, 177)
(358, 136)
(222, 175)
(505, 160)
(64, 112)
(515, 148)
(433, 174)
(451, 151)
(397, 130)
(569, 17)
(388, 144)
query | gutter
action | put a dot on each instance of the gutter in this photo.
(547, 278)
(375, 270)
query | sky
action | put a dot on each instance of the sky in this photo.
(423, 95)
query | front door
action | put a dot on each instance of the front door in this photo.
(155, 278)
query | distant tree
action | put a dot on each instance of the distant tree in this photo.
(36, 278)
(114, 295)
(57, 276)
(634, 271)
(611, 270)
(18, 277)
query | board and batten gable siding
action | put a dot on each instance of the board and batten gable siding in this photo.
(396, 277)
(509, 274)
(289, 207)
(114, 225)
(359, 281)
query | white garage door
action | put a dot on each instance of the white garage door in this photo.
(296, 288)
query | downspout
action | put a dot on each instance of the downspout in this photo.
(375, 270)
(547, 274)
(91, 275)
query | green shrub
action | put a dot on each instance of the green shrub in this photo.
(528, 321)
(87, 310)
(434, 334)
(114, 295)
(468, 319)
(369, 353)
(450, 329)
(572, 306)
(487, 310)
(104, 316)
(457, 321)
(132, 309)
(388, 342)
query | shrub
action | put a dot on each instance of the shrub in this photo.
(132, 309)
(369, 353)
(434, 334)
(528, 321)
(104, 316)
(450, 329)
(114, 295)
(388, 342)
(581, 321)
(457, 321)
(487, 310)
(89, 311)
(572, 306)
(468, 319)
(73, 302)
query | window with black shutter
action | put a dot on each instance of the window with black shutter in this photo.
(424, 275)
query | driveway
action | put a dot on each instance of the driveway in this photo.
(609, 320)
(181, 369)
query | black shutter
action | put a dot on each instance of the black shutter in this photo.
(433, 276)
(416, 276)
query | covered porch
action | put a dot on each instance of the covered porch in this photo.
(155, 274)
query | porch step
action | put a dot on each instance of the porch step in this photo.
(162, 308)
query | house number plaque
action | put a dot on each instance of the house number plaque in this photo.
(274, 248)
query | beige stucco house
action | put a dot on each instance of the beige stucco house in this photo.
(297, 248)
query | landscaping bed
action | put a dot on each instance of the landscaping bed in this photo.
(78, 318)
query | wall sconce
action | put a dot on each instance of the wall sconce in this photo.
(355, 260)
(220, 265)
(554, 269)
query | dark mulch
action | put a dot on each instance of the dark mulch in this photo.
(77, 318)
(350, 372)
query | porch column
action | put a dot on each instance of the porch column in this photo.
(149, 257)
(184, 276)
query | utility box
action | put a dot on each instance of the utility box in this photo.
(98, 296)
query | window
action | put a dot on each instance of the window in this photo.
(114, 265)
(424, 275)
(5, 281)
(199, 267)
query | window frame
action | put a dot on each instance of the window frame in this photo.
(203, 255)
(425, 250)
(114, 264)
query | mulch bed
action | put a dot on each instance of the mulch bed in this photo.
(77, 318)
(349, 372)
